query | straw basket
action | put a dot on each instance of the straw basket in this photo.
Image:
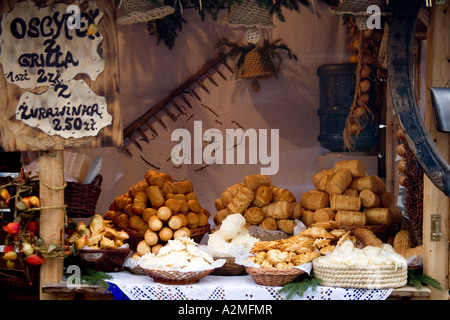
(230, 268)
(358, 9)
(134, 237)
(176, 277)
(361, 277)
(103, 259)
(249, 14)
(254, 68)
(198, 233)
(81, 199)
(134, 11)
(273, 277)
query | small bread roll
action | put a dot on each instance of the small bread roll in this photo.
(269, 224)
(194, 206)
(173, 204)
(136, 222)
(184, 220)
(142, 248)
(286, 225)
(202, 219)
(254, 215)
(178, 196)
(168, 187)
(182, 232)
(154, 223)
(139, 203)
(191, 196)
(220, 216)
(254, 181)
(159, 179)
(296, 209)
(148, 212)
(263, 196)
(155, 196)
(307, 217)
(127, 210)
(184, 187)
(121, 222)
(164, 213)
(219, 204)
(135, 256)
(184, 207)
(149, 174)
(150, 237)
(281, 194)
(138, 187)
(175, 222)
(278, 210)
(165, 234)
(120, 202)
(156, 247)
(192, 219)
(230, 193)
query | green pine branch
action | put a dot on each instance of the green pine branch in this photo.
(94, 277)
(299, 287)
(420, 280)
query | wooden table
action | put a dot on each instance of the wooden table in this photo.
(90, 292)
(84, 292)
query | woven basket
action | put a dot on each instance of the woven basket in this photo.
(254, 68)
(103, 259)
(273, 277)
(198, 233)
(361, 277)
(135, 11)
(249, 14)
(176, 277)
(230, 268)
(81, 199)
(135, 236)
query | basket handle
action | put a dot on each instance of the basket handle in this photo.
(97, 180)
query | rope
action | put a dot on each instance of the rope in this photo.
(55, 188)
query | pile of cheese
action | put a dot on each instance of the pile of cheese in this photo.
(348, 254)
(230, 237)
(178, 254)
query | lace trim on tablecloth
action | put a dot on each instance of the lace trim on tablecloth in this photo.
(142, 287)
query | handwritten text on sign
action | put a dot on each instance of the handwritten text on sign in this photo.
(38, 49)
(84, 112)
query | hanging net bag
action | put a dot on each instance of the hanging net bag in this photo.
(249, 14)
(135, 11)
(359, 10)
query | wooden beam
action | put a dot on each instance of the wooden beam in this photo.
(51, 193)
(436, 261)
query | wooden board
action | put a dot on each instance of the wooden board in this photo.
(436, 260)
(17, 136)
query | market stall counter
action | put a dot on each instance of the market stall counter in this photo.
(127, 286)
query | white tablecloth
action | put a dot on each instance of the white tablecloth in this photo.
(212, 287)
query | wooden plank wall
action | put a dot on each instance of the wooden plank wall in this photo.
(436, 255)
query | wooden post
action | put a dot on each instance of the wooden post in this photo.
(51, 174)
(391, 146)
(436, 262)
